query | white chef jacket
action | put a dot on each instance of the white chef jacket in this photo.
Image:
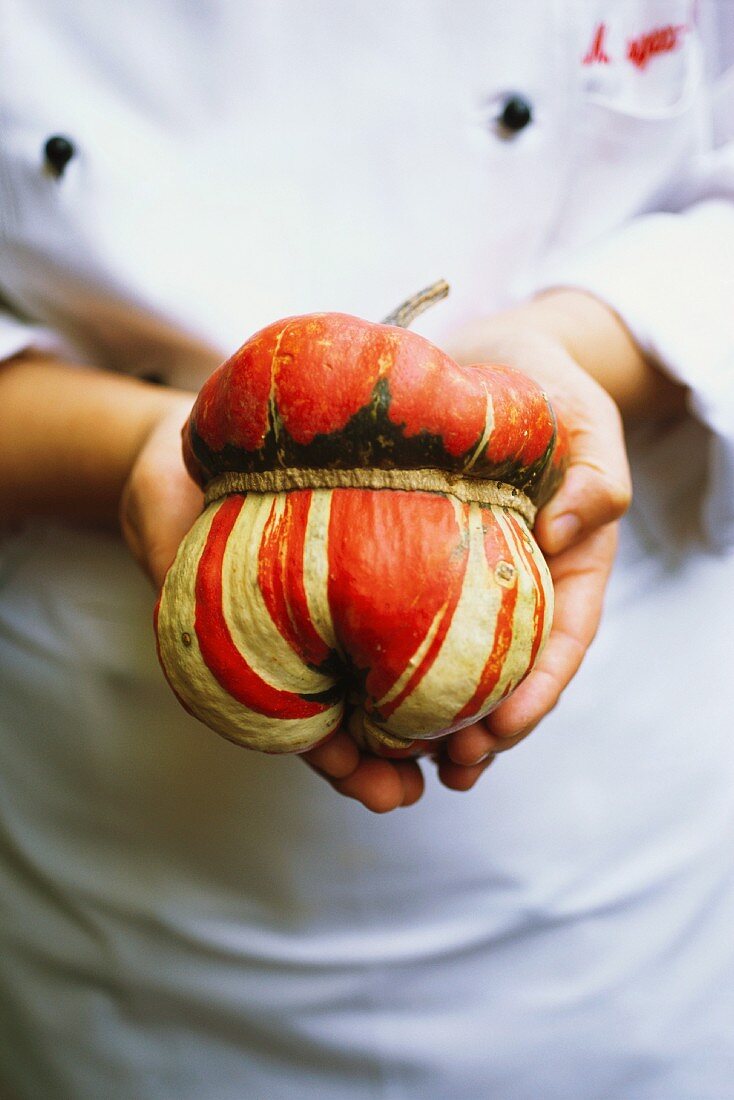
(181, 918)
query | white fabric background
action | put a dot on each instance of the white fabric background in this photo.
(183, 919)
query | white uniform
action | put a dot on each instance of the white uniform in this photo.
(183, 919)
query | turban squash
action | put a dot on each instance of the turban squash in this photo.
(365, 553)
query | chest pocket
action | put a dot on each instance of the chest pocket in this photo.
(646, 70)
(636, 117)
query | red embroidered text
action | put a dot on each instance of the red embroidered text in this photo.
(596, 54)
(660, 40)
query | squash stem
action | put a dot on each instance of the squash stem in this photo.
(406, 313)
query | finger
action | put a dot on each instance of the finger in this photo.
(588, 498)
(172, 504)
(335, 758)
(469, 745)
(413, 782)
(377, 784)
(159, 501)
(175, 525)
(580, 575)
(596, 489)
(458, 777)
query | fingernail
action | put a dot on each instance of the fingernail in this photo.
(565, 528)
(488, 756)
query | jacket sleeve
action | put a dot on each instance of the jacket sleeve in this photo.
(670, 277)
(17, 335)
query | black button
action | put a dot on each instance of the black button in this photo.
(516, 114)
(58, 151)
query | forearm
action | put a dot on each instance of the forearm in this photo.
(69, 437)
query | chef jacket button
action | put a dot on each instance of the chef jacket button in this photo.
(58, 151)
(515, 115)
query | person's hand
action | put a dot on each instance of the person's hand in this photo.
(158, 506)
(580, 573)
(380, 783)
(575, 530)
(577, 533)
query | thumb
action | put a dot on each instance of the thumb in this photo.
(596, 488)
(159, 501)
(157, 513)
